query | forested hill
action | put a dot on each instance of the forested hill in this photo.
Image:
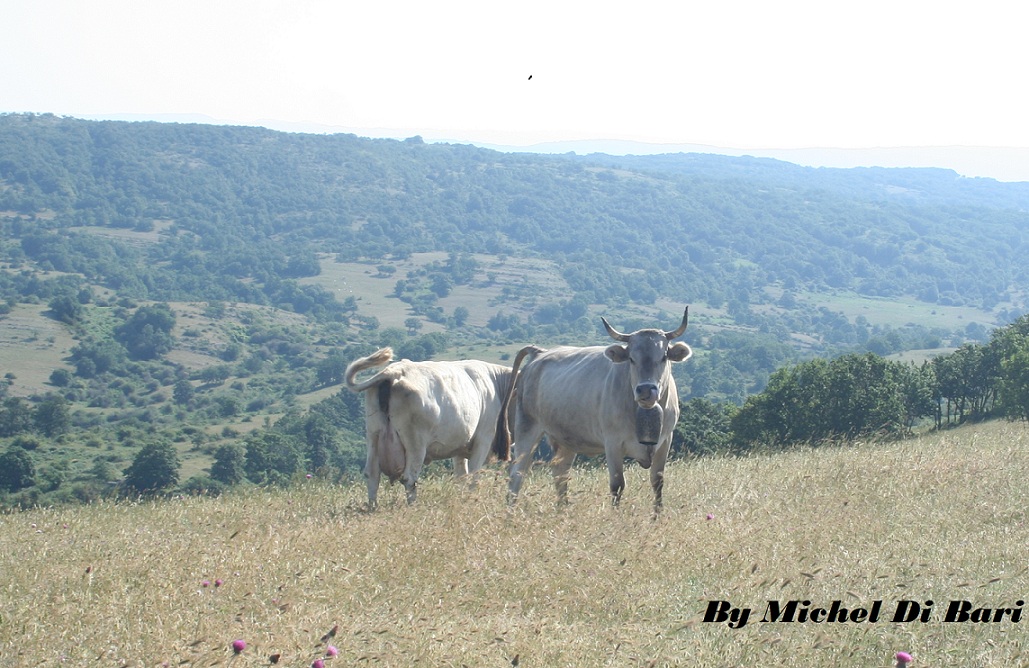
(183, 299)
(922, 185)
(240, 208)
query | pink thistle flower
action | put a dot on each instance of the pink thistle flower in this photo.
(205, 583)
(308, 476)
(218, 583)
(238, 646)
(331, 650)
(710, 516)
(317, 663)
(903, 659)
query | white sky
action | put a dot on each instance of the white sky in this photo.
(745, 74)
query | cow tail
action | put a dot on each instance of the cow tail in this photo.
(502, 440)
(380, 357)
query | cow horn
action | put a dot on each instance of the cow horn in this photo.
(682, 326)
(615, 334)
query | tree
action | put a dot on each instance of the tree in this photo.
(147, 334)
(17, 470)
(441, 285)
(102, 470)
(1011, 346)
(60, 378)
(917, 386)
(229, 464)
(183, 392)
(704, 427)
(1014, 381)
(967, 379)
(330, 370)
(322, 442)
(215, 374)
(95, 357)
(850, 396)
(15, 417)
(273, 457)
(67, 309)
(154, 468)
(52, 416)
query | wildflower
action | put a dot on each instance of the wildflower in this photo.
(317, 663)
(205, 583)
(710, 516)
(308, 476)
(218, 583)
(903, 659)
(238, 646)
(331, 650)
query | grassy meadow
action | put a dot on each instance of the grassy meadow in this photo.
(32, 345)
(460, 579)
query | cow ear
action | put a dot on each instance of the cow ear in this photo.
(679, 352)
(617, 354)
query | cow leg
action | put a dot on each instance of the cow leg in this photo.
(372, 470)
(415, 450)
(615, 470)
(415, 461)
(466, 471)
(519, 465)
(526, 441)
(657, 475)
(460, 467)
(561, 465)
(479, 449)
(372, 475)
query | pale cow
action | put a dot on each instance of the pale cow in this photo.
(417, 412)
(597, 400)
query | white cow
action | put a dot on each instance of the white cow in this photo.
(597, 400)
(417, 412)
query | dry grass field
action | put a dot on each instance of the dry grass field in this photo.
(540, 279)
(462, 580)
(32, 345)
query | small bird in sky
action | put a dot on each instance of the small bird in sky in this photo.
(530, 77)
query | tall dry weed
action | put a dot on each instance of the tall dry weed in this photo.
(462, 579)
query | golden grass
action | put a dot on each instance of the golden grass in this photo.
(460, 579)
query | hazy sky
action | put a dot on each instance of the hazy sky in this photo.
(749, 74)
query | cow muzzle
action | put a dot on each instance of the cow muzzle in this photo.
(647, 395)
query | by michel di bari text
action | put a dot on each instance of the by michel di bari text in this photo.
(835, 612)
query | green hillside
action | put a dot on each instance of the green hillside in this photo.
(195, 285)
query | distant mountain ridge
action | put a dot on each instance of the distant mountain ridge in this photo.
(929, 185)
(1006, 164)
(250, 206)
